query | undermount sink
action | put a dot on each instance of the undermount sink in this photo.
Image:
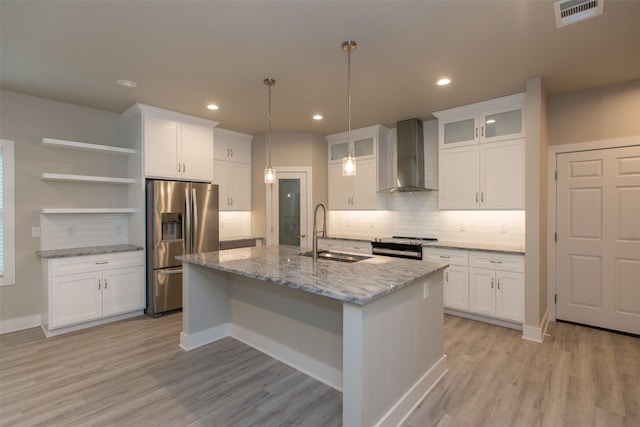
(336, 256)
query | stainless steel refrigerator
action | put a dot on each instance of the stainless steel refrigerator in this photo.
(182, 218)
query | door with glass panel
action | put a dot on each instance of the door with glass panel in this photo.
(290, 209)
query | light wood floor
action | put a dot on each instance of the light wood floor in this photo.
(134, 373)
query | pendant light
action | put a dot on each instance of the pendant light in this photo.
(269, 172)
(349, 162)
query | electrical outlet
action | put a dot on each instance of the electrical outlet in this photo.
(118, 229)
(425, 291)
(35, 231)
(71, 230)
(461, 227)
(503, 228)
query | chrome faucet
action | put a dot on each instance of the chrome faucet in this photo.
(314, 247)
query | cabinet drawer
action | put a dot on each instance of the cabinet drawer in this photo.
(357, 247)
(450, 256)
(82, 264)
(497, 261)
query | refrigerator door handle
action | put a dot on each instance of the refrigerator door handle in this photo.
(187, 232)
(194, 229)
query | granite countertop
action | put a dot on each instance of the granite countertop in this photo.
(489, 247)
(236, 238)
(358, 283)
(88, 250)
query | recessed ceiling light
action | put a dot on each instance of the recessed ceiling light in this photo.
(443, 82)
(317, 117)
(212, 107)
(127, 83)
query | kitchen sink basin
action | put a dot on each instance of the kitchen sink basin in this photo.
(336, 256)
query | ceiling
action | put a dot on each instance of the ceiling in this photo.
(186, 54)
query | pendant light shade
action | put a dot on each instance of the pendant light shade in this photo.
(349, 162)
(269, 172)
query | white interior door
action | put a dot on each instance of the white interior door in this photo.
(290, 210)
(598, 250)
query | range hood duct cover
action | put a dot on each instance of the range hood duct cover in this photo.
(410, 150)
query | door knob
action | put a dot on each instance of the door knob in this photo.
(302, 236)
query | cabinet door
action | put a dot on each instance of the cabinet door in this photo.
(340, 188)
(502, 175)
(123, 290)
(75, 298)
(365, 191)
(510, 295)
(502, 123)
(161, 145)
(222, 177)
(482, 292)
(338, 151)
(458, 131)
(458, 174)
(456, 287)
(240, 187)
(197, 152)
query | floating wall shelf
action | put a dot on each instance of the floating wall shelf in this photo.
(88, 210)
(86, 178)
(61, 143)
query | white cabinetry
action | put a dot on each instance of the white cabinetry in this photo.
(232, 170)
(456, 276)
(177, 147)
(482, 155)
(488, 284)
(87, 290)
(174, 145)
(496, 285)
(370, 146)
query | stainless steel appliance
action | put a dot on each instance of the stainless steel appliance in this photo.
(182, 218)
(400, 246)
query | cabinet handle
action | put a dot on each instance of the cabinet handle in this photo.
(498, 284)
(99, 285)
(482, 197)
(232, 201)
(105, 283)
(492, 283)
(232, 152)
(476, 197)
(184, 167)
(495, 262)
(102, 262)
(482, 132)
(446, 276)
(227, 152)
(445, 256)
(476, 132)
(179, 167)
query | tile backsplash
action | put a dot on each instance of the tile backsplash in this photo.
(235, 224)
(417, 214)
(62, 231)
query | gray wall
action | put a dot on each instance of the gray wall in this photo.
(26, 120)
(287, 149)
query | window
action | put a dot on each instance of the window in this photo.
(7, 214)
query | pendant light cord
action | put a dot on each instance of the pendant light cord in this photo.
(349, 100)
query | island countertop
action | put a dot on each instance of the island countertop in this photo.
(358, 283)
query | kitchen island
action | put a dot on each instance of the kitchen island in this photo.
(372, 329)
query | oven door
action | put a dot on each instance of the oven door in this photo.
(397, 250)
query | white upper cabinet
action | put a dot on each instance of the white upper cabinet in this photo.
(482, 155)
(489, 121)
(232, 169)
(370, 147)
(176, 146)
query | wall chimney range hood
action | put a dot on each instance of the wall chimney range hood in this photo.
(412, 172)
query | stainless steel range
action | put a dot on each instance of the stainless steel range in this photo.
(401, 246)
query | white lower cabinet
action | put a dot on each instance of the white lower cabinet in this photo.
(456, 276)
(489, 284)
(497, 291)
(91, 288)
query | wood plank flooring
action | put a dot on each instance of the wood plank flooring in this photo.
(133, 373)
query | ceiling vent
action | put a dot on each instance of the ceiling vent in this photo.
(571, 11)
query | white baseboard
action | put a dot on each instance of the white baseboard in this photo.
(536, 334)
(485, 319)
(80, 326)
(19, 323)
(399, 412)
(315, 369)
(198, 339)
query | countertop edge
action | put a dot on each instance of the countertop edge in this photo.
(87, 251)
